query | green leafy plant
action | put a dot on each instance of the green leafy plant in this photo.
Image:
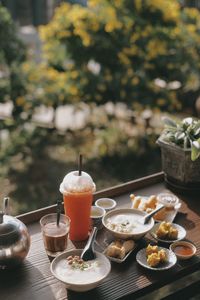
(184, 133)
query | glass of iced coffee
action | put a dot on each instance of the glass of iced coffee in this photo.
(55, 236)
(77, 193)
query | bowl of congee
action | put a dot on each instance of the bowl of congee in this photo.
(79, 275)
(127, 223)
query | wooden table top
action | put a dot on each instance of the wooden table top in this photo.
(33, 279)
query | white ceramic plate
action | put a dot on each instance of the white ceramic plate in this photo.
(171, 260)
(181, 233)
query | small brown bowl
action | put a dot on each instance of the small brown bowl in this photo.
(183, 249)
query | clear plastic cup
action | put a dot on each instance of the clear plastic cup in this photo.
(55, 237)
(78, 196)
(169, 200)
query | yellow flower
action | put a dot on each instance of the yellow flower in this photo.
(73, 90)
(26, 66)
(74, 74)
(94, 25)
(161, 102)
(61, 97)
(130, 72)
(122, 94)
(124, 58)
(191, 28)
(108, 77)
(101, 87)
(135, 80)
(124, 80)
(134, 37)
(192, 12)
(156, 47)
(64, 34)
(83, 35)
(170, 8)
(118, 3)
(20, 100)
(131, 51)
(98, 97)
(138, 4)
(94, 3)
(52, 74)
(84, 81)
(112, 25)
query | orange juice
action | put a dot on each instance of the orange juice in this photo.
(77, 208)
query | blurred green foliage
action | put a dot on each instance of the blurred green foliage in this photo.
(12, 54)
(143, 53)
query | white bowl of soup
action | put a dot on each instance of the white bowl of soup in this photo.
(126, 223)
(80, 276)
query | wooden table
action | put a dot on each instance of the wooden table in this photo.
(129, 280)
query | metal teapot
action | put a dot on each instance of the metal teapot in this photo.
(14, 240)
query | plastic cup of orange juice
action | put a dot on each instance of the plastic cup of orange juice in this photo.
(77, 193)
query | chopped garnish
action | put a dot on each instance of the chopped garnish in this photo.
(77, 263)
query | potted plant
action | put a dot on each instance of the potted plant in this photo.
(180, 152)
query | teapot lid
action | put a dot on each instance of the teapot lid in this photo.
(6, 228)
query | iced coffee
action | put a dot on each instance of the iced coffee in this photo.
(55, 235)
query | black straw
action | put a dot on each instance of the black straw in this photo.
(58, 210)
(80, 164)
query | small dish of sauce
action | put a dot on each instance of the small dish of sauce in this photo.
(183, 249)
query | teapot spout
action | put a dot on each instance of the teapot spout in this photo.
(1, 217)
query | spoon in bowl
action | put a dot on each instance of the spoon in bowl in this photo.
(147, 217)
(88, 252)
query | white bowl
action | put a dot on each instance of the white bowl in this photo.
(96, 215)
(137, 233)
(106, 203)
(58, 267)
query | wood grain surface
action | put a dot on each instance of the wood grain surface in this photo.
(33, 279)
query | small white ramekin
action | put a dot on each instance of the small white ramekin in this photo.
(106, 203)
(183, 243)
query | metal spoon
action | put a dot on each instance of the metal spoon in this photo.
(88, 251)
(6, 205)
(147, 217)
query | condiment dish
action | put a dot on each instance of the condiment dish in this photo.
(79, 280)
(106, 203)
(96, 215)
(183, 249)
